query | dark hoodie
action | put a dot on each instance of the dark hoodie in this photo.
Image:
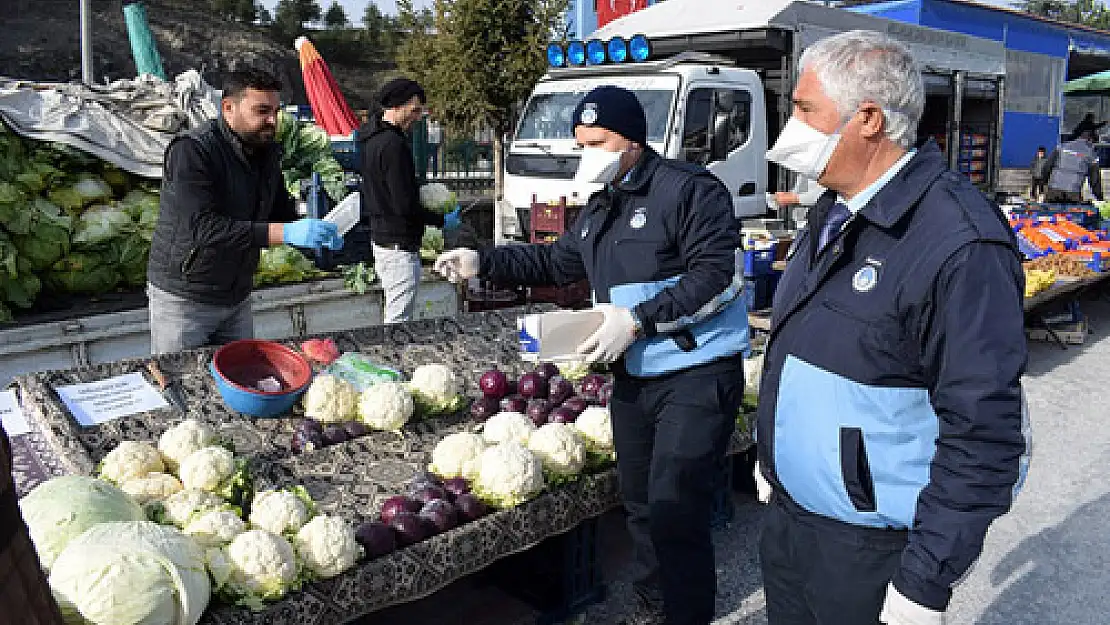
(390, 193)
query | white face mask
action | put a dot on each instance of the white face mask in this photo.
(804, 149)
(598, 166)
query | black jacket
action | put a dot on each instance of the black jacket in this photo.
(668, 219)
(390, 193)
(218, 200)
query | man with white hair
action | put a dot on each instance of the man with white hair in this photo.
(891, 428)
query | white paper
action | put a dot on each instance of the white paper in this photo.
(94, 403)
(347, 213)
(11, 415)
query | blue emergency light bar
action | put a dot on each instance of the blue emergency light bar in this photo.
(596, 52)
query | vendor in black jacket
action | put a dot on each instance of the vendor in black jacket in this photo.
(391, 196)
(223, 199)
(659, 246)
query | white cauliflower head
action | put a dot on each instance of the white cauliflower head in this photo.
(219, 567)
(436, 196)
(327, 546)
(509, 475)
(207, 468)
(436, 387)
(182, 505)
(215, 527)
(180, 441)
(508, 426)
(457, 455)
(263, 566)
(385, 406)
(131, 459)
(596, 427)
(559, 447)
(151, 487)
(281, 511)
(330, 399)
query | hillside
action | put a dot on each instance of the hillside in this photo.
(41, 42)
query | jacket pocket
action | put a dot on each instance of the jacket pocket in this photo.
(856, 470)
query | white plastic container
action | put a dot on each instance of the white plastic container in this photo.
(555, 336)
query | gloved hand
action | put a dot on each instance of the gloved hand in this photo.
(762, 488)
(310, 232)
(458, 264)
(616, 333)
(898, 610)
(452, 220)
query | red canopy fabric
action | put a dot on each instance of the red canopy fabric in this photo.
(330, 109)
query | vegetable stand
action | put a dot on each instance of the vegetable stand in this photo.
(351, 479)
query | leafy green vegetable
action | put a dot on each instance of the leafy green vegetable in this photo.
(101, 223)
(431, 244)
(87, 272)
(359, 278)
(283, 264)
(48, 238)
(306, 148)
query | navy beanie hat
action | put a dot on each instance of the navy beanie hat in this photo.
(613, 108)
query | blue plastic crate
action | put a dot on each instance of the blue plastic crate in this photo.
(759, 262)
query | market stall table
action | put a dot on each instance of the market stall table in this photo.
(350, 480)
(1063, 291)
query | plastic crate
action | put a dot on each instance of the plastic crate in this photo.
(560, 577)
(570, 296)
(759, 262)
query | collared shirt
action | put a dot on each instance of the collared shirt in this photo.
(863, 197)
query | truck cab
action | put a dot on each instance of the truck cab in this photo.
(699, 109)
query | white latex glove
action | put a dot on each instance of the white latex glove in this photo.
(458, 264)
(616, 333)
(898, 610)
(762, 487)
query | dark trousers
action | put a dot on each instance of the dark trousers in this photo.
(1038, 188)
(670, 434)
(817, 571)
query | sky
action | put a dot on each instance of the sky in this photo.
(355, 8)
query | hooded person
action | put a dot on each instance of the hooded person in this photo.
(659, 244)
(391, 195)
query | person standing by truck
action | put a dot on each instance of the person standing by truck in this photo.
(391, 196)
(891, 425)
(659, 244)
(223, 199)
(1071, 165)
(1038, 173)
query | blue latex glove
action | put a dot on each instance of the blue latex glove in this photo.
(451, 220)
(312, 233)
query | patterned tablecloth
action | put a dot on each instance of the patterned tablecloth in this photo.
(350, 480)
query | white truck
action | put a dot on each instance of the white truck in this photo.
(717, 89)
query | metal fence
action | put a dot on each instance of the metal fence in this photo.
(462, 161)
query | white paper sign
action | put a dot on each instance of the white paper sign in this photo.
(93, 403)
(11, 415)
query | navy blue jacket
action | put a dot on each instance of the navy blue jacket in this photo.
(891, 395)
(664, 243)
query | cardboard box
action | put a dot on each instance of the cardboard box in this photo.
(555, 336)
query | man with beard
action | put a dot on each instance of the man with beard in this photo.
(223, 200)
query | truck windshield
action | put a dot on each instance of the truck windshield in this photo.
(548, 115)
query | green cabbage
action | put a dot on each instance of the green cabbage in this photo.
(60, 509)
(138, 572)
(306, 148)
(100, 224)
(283, 264)
(88, 273)
(49, 237)
(129, 255)
(87, 190)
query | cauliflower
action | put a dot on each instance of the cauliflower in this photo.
(151, 487)
(436, 389)
(509, 475)
(207, 468)
(559, 447)
(330, 399)
(180, 441)
(262, 566)
(457, 455)
(385, 406)
(327, 546)
(596, 428)
(508, 426)
(179, 507)
(215, 527)
(131, 459)
(436, 196)
(281, 511)
(219, 567)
